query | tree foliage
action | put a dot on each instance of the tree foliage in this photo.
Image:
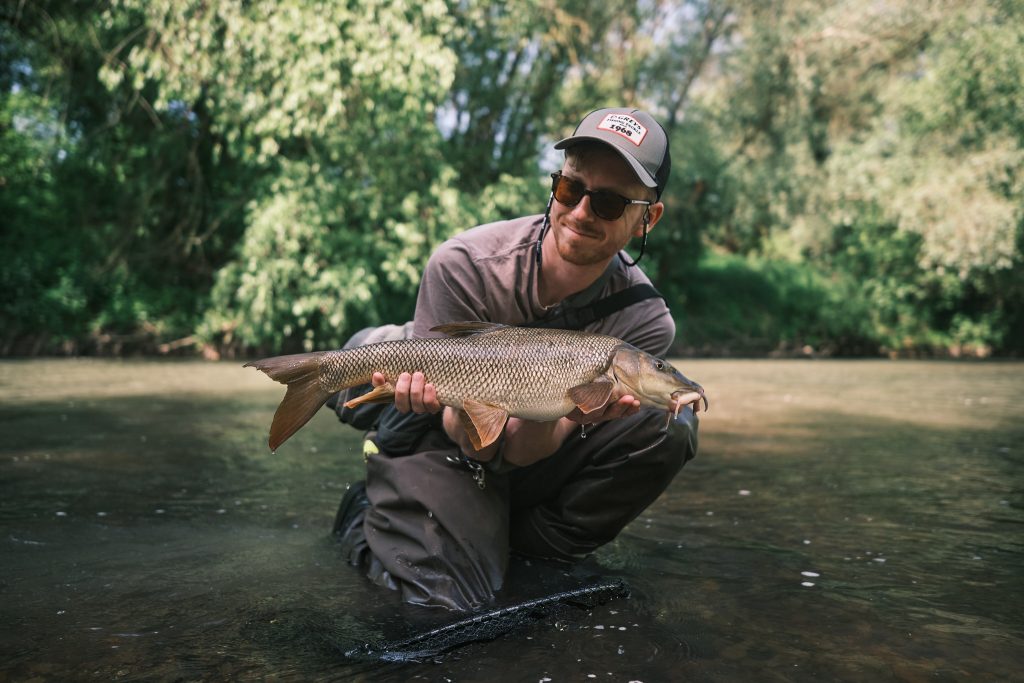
(273, 175)
(883, 145)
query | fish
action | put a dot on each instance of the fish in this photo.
(487, 372)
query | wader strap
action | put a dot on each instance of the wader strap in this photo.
(576, 318)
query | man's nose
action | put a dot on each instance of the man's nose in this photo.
(583, 210)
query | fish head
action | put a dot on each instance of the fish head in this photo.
(654, 381)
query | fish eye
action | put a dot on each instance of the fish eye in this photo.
(660, 365)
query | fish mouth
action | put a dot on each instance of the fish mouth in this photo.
(686, 397)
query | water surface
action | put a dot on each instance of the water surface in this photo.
(844, 520)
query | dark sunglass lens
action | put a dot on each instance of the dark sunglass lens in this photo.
(568, 192)
(607, 205)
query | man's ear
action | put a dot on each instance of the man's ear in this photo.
(653, 214)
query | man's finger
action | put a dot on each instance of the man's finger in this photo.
(416, 392)
(430, 401)
(402, 392)
(633, 408)
(622, 407)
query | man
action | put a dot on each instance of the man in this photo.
(438, 519)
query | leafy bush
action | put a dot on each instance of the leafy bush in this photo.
(740, 305)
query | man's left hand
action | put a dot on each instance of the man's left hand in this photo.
(625, 406)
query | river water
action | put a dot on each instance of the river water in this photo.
(844, 520)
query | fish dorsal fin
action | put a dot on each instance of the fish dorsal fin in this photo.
(483, 422)
(466, 329)
(592, 395)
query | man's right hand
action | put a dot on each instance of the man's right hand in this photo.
(413, 394)
(527, 441)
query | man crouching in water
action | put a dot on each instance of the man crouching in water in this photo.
(437, 519)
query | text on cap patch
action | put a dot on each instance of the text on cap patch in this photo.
(624, 125)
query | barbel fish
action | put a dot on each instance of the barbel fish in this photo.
(488, 372)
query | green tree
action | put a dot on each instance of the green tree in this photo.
(273, 175)
(882, 145)
(330, 110)
(121, 224)
(943, 162)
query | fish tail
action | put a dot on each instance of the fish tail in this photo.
(305, 395)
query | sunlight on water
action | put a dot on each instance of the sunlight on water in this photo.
(853, 520)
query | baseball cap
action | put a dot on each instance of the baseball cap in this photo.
(635, 135)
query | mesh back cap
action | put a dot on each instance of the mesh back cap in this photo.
(635, 135)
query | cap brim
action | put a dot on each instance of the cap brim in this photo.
(646, 178)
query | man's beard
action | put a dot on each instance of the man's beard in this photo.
(579, 252)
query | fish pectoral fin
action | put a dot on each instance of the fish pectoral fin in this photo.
(467, 329)
(385, 393)
(467, 424)
(483, 422)
(592, 395)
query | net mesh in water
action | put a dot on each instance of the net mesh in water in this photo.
(488, 625)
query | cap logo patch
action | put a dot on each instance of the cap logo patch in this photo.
(624, 125)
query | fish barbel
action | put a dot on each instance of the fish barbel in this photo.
(488, 372)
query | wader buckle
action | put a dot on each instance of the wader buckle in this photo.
(474, 466)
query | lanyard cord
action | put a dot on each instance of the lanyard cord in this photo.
(643, 245)
(543, 232)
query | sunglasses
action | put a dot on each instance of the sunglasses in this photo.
(606, 205)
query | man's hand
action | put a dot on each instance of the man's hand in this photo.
(625, 406)
(413, 394)
(457, 433)
(526, 442)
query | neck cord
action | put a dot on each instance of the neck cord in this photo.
(543, 231)
(643, 245)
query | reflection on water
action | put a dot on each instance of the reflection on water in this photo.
(845, 520)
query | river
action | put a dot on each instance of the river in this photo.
(844, 520)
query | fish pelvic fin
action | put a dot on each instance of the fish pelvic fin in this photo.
(483, 422)
(592, 395)
(467, 329)
(305, 395)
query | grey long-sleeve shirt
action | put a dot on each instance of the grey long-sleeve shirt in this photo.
(489, 273)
